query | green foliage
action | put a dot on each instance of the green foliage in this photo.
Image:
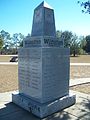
(1, 42)
(9, 51)
(82, 52)
(70, 41)
(6, 38)
(82, 45)
(66, 36)
(11, 43)
(17, 39)
(58, 34)
(21, 44)
(87, 46)
(86, 6)
(75, 46)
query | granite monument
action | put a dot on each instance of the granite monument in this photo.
(43, 68)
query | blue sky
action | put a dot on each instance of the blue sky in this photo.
(16, 16)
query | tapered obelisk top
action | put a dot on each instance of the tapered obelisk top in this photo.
(46, 5)
(43, 21)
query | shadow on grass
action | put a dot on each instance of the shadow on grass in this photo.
(12, 112)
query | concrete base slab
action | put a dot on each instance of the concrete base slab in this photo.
(45, 109)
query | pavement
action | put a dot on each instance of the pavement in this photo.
(85, 64)
(72, 64)
(8, 63)
(79, 81)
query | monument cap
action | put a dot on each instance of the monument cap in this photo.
(43, 21)
(44, 4)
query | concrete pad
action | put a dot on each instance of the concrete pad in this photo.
(8, 63)
(79, 81)
(80, 111)
(77, 64)
(7, 96)
(82, 107)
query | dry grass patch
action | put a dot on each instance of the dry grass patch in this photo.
(8, 78)
(79, 71)
(5, 58)
(84, 88)
(80, 59)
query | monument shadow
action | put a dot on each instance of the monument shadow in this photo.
(12, 112)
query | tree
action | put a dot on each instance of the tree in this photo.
(26, 37)
(6, 38)
(58, 34)
(86, 6)
(70, 41)
(21, 44)
(75, 46)
(17, 39)
(87, 46)
(67, 38)
(82, 44)
(1, 42)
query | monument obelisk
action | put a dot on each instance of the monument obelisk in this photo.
(43, 68)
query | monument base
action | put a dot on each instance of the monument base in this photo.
(45, 109)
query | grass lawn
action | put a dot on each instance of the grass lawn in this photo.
(80, 59)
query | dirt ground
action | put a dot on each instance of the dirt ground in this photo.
(5, 58)
(84, 88)
(8, 78)
(79, 71)
(80, 59)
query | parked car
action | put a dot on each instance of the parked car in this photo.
(14, 59)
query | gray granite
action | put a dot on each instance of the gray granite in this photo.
(42, 41)
(43, 21)
(43, 110)
(43, 68)
(40, 77)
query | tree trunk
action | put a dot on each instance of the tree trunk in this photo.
(74, 53)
